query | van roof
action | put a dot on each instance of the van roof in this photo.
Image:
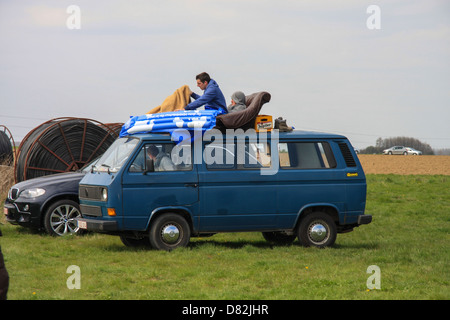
(293, 134)
(311, 134)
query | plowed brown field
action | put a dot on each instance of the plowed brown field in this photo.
(385, 164)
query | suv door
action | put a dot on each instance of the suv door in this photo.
(145, 189)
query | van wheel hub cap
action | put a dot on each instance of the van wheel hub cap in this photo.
(317, 232)
(170, 234)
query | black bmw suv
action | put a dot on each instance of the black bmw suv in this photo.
(49, 202)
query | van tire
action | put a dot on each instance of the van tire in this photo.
(169, 231)
(317, 229)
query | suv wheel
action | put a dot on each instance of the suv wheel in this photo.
(318, 230)
(59, 218)
(169, 231)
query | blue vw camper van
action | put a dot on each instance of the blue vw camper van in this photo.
(152, 190)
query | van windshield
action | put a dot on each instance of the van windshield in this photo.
(116, 155)
(88, 167)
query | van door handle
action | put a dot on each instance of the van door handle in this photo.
(192, 185)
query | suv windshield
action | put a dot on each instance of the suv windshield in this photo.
(116, 155)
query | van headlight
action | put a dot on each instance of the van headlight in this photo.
(104, 194)
(32, 193)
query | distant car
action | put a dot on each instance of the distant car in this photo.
(413, 151)
(49, 202)
(396, 150)
(356, 150)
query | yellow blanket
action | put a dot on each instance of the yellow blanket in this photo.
(176, 101)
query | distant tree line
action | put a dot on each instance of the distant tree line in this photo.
(442, 152)
(386, 143)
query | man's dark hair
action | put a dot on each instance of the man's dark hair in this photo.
(153, 150)
(203, 77)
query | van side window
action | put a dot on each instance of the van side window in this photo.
(240, 156)
(220, 156)
(305, 155)
(162, 157)
(256, 155)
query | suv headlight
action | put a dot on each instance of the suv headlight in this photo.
(32, 193)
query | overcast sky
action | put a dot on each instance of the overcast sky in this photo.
(324, 67)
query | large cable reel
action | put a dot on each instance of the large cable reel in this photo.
(7, 144)
(61, 145)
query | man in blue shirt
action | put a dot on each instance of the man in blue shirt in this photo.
(212, 98)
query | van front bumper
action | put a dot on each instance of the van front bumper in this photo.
(96, 225)
(364, 219)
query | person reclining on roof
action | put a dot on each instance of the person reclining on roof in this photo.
(237, 102)
(212, 98)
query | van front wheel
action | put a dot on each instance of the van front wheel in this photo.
(169, 231)
(318, 230)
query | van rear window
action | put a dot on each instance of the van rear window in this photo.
(305, 155)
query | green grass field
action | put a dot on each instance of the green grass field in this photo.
(408, 240)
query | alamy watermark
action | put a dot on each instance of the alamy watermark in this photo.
(373, 22)
(73, 22)
(374, 280)
(74, 280)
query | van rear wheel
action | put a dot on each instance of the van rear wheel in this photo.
(169, 231)
(317, 230)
